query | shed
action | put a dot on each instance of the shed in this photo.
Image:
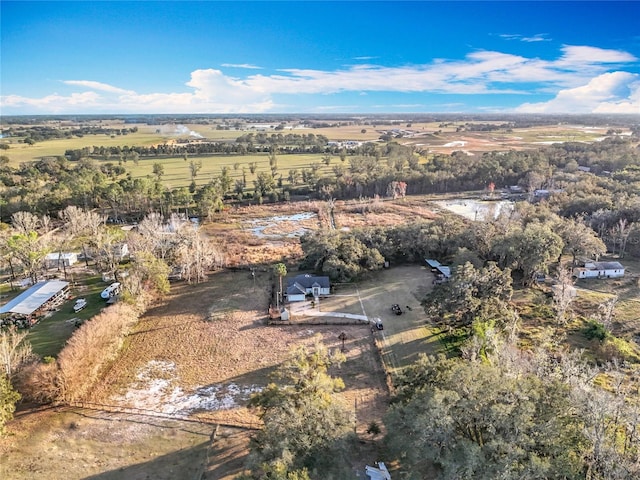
(37, 298)
(599, 270)
(61, 259)
(442, 272)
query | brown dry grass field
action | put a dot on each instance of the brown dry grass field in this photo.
(200, 336)
(83, 444)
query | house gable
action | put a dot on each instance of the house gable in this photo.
(306, 284)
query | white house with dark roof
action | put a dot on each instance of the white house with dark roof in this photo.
(599, 270)
(302, 285)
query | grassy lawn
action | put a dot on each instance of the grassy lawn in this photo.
(21, 152)
(49, 335)
(177, 172)
(404, 336)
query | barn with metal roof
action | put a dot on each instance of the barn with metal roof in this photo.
(36, 298)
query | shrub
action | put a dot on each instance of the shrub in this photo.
(82, 360)
(91, 347)
(38, 382)
(595, 331)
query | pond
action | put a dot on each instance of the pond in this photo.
(476, 209)
(289, 226)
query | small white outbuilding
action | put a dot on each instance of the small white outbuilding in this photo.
(599, 270)
(61, 259)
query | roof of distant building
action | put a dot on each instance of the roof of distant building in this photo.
(61, 256)
(605, 266)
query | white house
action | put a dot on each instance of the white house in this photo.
(302, 285)
(61, 259)
(599, 270)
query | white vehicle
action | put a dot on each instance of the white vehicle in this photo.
(79, 305)
(111, 290)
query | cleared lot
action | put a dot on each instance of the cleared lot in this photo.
(404, 336)
(197, 354)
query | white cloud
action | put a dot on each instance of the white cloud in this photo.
(614, 92)
(574, 56)
(579, 72)
(241, 65)
(54, 103)
(97, 86)
(538, 37)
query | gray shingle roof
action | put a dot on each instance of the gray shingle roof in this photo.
(308, 281)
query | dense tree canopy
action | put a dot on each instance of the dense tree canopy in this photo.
(471, 293)
(305, 427)
(460, 420)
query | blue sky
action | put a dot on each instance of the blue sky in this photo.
(319, 57)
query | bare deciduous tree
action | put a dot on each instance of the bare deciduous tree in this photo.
(607, 311)
(14, 350)
(564, 294)
(25, 222)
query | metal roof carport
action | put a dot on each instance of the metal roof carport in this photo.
(35, 297)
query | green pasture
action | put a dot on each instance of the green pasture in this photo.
(177, 172)
(50, 334)
(146, 135)
(22, 152)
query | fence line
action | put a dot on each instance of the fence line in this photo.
(101, 407)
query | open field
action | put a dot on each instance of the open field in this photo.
(431, 137)
(404, 336)
(177, 170)
(76, 444)
(232, 228)
(176, 359)
(199, 354)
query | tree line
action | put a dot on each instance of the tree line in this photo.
(527, 240)
(53, 183)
